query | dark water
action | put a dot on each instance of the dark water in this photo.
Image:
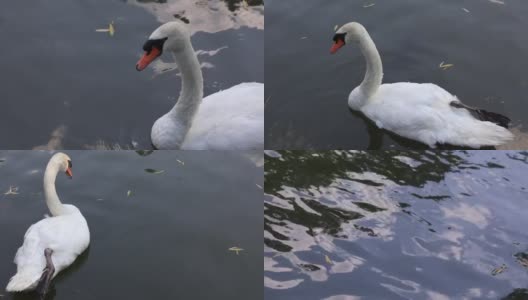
(396, 225)
(168, 240)
(57, 71)
(307, 88)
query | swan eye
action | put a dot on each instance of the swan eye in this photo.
(339, 37)
(157, 43)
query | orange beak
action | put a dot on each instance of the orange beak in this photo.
(146, 59)
(336, 46)
(69, 173)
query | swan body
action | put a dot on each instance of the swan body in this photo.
(66, 233)
(423, 112)
(231, 119)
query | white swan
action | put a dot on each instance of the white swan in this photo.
(422, 112)
(53, 243)
(232, 119)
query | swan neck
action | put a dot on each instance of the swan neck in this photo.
(374, 73)
(191, 92)
(52, 199)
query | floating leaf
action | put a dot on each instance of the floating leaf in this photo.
(369, 5)
(522, 258)
(260, 187)
(181, 162)
(499, 270)
(129, 193)
(13, 190)
(99, 199)
(465, 9)
(328, 260)
(445, 66)
(110, 29)
(153, 171)
(235, 249)
(144, 152)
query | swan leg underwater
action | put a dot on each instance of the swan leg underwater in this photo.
(47, 274)
(52, 244)
(423, 112)
(231, 119)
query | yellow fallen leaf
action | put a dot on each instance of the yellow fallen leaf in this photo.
(111, 29)
(499, 270)
(328, 260)
(235, 249)
(445, 66)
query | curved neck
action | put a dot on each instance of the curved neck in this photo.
(52, 199)
(191, 92)
(374, 73)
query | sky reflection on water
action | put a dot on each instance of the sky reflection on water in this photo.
(395, 225)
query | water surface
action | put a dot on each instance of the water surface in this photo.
(396, 225)
(153, 236)
(307, 88)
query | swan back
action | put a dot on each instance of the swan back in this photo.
(423, 112)
(67, 235)
(231, 119)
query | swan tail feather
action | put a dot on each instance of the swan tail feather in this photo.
(482, 134)
(496, 118)
(484, 115)
(23, 282)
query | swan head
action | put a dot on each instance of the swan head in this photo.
(171, 36)
(62, 162)
(348, 33)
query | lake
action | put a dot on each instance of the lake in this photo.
(307, 88)
(66, 86)
(396, 225)
(161, 235)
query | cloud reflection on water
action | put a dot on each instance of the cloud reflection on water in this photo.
(363, 208)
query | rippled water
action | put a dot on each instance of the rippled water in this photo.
(307, 88)
(64, 85)
(168, 238)
(396, 225)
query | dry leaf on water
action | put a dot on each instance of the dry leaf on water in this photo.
(235, 249)
(445, 66)
(328, 260)
(154, 171)
(13, 190)
(499, 270)
(110, 29)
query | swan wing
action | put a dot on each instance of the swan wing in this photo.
(423, 112)
(231, 119)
